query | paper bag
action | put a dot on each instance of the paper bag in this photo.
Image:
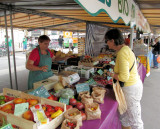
(74, 114)
(93, 111)
(98, 97)
(64, 124)
(86, 99)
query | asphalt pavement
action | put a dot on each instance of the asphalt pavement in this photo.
(151, 92)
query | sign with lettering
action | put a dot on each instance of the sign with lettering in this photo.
(82, 87)
(100, 72)
(9, 126)
(40, 92)
(126, 10)
(91, 82)
(65, 101)
(20, 108)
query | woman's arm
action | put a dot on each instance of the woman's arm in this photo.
(30, 66)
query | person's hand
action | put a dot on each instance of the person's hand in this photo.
(66, 58)
(110, 74)
(44, 68)
(112, 66)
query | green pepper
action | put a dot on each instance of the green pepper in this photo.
(2, 97)
(2, 102)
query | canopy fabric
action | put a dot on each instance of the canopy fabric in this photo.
(70, 14)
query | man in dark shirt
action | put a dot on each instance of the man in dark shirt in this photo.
(60, 41)
(156, 52)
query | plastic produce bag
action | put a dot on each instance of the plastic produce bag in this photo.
(93, 111)
(65, 93)
(74, 114)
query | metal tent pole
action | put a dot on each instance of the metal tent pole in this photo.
(15, 72)
(9, 64)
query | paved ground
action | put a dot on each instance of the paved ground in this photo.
(151, 95)
(151, 101)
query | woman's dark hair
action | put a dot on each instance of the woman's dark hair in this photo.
(116, 35)
(43, 38)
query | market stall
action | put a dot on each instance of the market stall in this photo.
(65, 81)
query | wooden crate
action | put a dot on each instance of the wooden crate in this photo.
(26, 124)
(47, 83)
(81, 46)
(11, 92)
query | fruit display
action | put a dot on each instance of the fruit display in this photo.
(4, 99)
(93, 111)
(102, 80)
(51, 111)
(74, 114)
(69, 124)
(62, 55)
(49, 108)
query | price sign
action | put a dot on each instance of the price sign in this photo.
(40, 92)
(9, 126)
(82, 87)
(91, 82)
(20, 108)
(65, 101)
(100, 72)
(112, 63)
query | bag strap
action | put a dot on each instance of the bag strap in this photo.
(132, 66)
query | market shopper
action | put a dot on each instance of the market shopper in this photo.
(156, 52)
(24, 44)
(127, 40)
(60, 41)
(9, 44)
(125, 70)
(40, 61)
(71, 44)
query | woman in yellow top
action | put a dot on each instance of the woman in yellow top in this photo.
(133, 87)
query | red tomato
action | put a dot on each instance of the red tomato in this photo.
(37, 107)
(84, 117)
(49, 109)
(58, 108)
(47, 113)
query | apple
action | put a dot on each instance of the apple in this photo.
(69, 107)
(84, 117)
(79, 106)
(72, 101)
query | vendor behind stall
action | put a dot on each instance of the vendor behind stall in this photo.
(40, 61)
